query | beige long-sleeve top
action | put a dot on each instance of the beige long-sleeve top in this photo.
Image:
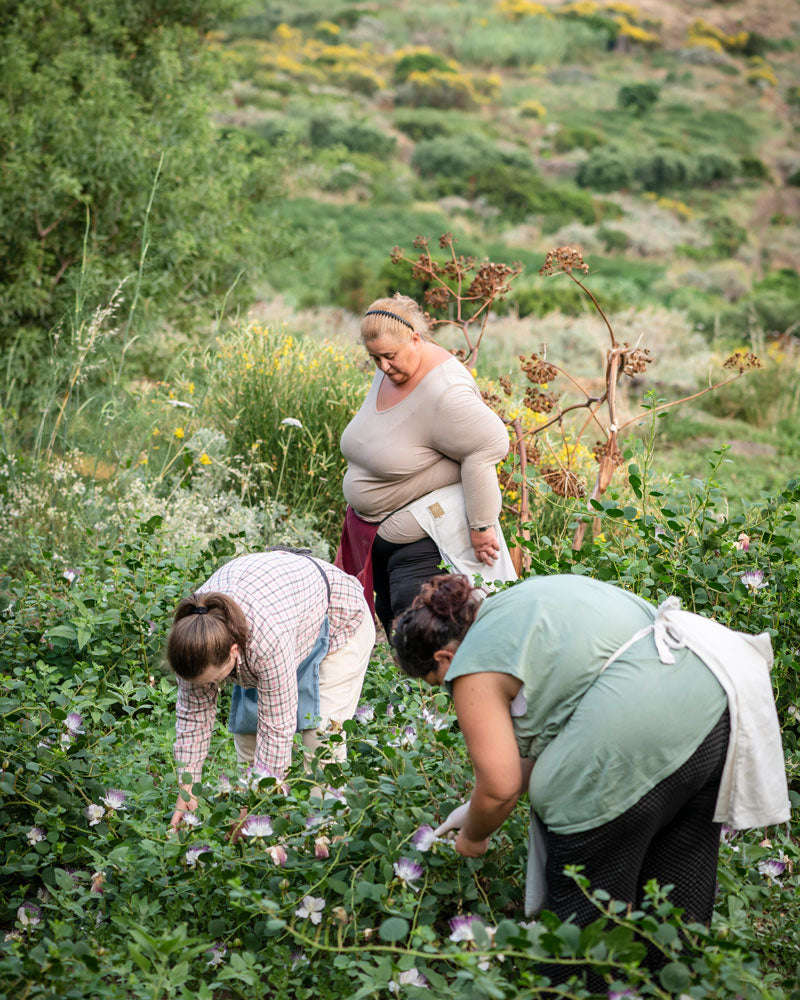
(442, 432)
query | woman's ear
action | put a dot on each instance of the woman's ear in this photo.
(443, 658)
(235, 650)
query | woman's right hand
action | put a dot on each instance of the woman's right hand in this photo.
(485, 546)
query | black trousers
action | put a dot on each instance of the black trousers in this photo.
(398, 572)
(669, 835)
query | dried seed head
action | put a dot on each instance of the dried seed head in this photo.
(563, 482)
(635, 360)
(607, 449)
(492, 400)
(493, 280)
(563, 260)
(460, 353)
(505, 382)
(459, 267)
(424, 267)
(437, 297)
(446, 240)
(539, 402)
(396, 255)
(536, 369)
(420, 243)
(742, 362)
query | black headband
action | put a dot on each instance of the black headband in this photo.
(385, 312)
(199, 609)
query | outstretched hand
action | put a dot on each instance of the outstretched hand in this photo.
(454, 821)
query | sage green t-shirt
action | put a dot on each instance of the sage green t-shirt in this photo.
(600, 740)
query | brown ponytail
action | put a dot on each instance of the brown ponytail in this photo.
(440, 614)
(203, 638)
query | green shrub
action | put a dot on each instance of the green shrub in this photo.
(100, 108)
(662, 171)
(359, 137)
(713, 165)
(638, 98)
(421, 62)
(518, 193)
(754, 168)
(450, 161)
(432, 123)
(605, 170)
(576, 138)
(726, 235)
(613, 239)
(436, 89)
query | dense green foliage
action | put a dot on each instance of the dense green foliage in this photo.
(111, 164)
(283, 155)
(111, 903)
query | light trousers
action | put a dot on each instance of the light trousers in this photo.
(341, 676)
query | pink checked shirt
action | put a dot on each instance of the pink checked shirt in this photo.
(284, 600)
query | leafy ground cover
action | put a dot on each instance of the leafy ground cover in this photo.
(160, 436)
(345, 895)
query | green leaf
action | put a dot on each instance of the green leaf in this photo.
(393, 929)
(675, 977)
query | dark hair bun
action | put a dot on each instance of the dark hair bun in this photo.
(450, 597)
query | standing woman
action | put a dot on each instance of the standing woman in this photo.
(636, 731)
(421, 484)
(294, 633)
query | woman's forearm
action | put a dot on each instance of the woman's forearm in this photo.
(488, 812)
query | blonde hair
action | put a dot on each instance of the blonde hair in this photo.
(379, 324)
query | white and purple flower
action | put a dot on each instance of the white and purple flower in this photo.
(322, 847)
(408, 871)
(114, 799)
(193, 855)
(29, 914)
(311, 909)
(424, 838)
(742, 543)
(94, 814)
(461, 928)
(364, 713)
(257, 826)
(771, 868)
(190, 819)
(623, 995)
(216, 955)
(278, 854)
(70, 575)
(36, 834)
(74, 723)
(411, 977)
(754, 580)
(435, 719)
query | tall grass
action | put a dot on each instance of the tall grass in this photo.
(262, 384)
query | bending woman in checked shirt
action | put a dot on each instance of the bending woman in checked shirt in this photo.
(268, 622)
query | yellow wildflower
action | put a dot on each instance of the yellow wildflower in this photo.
(204, 459)
(179, 433)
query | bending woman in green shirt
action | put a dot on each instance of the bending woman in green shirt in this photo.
(589, 698)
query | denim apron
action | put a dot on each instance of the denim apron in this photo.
(244, 701)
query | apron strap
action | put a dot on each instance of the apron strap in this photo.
(306, 553)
